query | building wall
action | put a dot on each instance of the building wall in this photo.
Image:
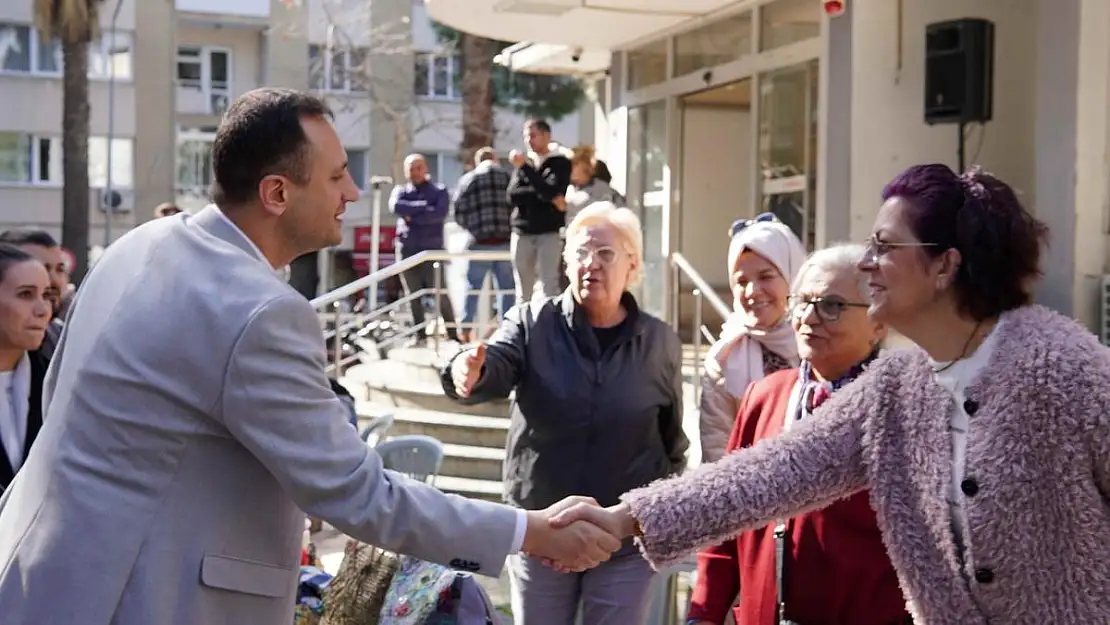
(155, 140)
(888, 131)
(33, 106)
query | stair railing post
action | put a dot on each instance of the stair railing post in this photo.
(337, 320)
(437, 284)
(697, 346)
(676, 282)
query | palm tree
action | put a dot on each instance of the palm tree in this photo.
(477, 93)
(75, 23)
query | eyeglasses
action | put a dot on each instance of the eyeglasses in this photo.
(829, 309)
(740, 225)
(874, 249)
(605, 255)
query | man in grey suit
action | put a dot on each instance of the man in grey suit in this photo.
(188, 421)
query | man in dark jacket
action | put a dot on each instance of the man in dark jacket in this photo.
(539, 210)
(421, 208)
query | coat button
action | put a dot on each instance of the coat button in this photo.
(970, 487)
(984, 576)
(970, 406)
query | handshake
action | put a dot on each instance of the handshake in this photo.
(577, 534)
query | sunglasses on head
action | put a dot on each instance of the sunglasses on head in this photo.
(741, 225)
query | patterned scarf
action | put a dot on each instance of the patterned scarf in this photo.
(815, 392)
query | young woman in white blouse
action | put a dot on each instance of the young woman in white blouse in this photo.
(24, 316)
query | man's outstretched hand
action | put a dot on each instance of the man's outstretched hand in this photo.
(569, 545)
(616, 520)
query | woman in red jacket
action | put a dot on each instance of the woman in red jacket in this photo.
(834, 569)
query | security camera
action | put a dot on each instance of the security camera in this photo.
(576, 55)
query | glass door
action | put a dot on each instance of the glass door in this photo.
(788, 147)
(647, 195)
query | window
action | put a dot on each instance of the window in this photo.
(444, 167)
(15, 157)
(121, 164)
(342, 70)
(435, 76)
(647, 65)
(713, 44)
(203, 79)
(110, 54)
(358, 166)
(23, 50)
(31, 159)
(194, 165)
(784, 22)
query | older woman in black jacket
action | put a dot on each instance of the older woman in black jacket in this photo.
(598, 410)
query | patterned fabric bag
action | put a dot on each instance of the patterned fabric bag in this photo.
(356, 594)
(423, 593)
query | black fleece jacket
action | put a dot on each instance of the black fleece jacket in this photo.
(532, 191)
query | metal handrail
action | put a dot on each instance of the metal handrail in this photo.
(679, 267)
(400, 267)
(679, 262)
(334, 298)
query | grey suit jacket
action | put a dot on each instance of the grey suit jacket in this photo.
(187, 423)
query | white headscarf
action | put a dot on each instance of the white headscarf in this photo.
(738, 352)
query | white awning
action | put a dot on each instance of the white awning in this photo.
(588, 24)
(546, 58)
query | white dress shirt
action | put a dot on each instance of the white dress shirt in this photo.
(521, 517)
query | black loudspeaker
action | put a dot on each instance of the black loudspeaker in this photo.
(959, 71)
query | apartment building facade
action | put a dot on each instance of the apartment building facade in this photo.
(178, 63)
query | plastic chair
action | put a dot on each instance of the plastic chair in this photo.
(415, 455)
(374, 432)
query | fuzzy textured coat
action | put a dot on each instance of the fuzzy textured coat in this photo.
(1038, 526)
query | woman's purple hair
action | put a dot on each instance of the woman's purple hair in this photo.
(980, 216)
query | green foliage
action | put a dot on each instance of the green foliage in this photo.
(533, 95)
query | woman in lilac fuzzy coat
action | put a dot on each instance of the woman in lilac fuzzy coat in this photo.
(987, 450)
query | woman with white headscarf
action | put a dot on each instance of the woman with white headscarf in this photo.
(757, 339)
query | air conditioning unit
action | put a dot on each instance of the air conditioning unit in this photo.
(220, 104)
(116, 200)
(1104, 294)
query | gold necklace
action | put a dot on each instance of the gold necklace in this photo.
(963, 352)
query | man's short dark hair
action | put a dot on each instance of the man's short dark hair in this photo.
(540, 124)
(166, 209)
(261, 135)
(484, 154)
(28, 236)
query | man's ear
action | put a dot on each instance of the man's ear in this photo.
(273, 191)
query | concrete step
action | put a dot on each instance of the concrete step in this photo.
(471, 488)
(448, 428)
(470, 461)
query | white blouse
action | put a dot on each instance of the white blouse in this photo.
(955, 379)
(15, 390)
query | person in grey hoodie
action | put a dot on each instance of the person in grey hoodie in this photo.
(585, 185)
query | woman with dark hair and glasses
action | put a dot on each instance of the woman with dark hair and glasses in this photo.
(756, 340)
(25, 310)
(827, 567)
(986, 449)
